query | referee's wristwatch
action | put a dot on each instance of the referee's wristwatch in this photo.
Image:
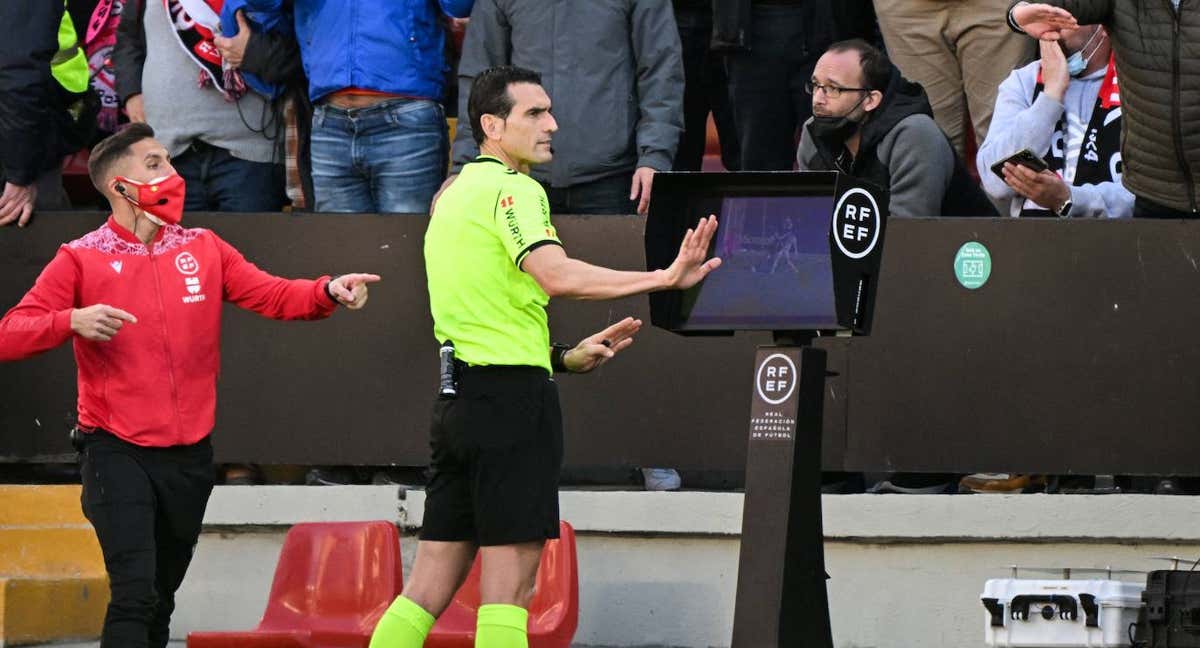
(558, 356)
(1064, 210)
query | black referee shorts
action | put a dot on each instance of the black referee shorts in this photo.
(497, 453)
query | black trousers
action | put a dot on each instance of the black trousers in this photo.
(1143, 208)
(766, 86)
(147, 505)
(604, 196)
(706, 89)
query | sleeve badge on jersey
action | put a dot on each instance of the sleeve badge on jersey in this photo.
(506, 202)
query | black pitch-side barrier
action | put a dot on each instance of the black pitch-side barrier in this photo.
(1078, 355)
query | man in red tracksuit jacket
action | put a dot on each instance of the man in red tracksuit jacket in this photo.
(140, 298)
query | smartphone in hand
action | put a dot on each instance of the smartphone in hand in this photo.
(1025, 158)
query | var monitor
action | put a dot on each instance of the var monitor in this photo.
(800, 251)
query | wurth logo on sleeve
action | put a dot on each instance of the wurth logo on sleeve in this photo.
(510, 217)
(506, 202)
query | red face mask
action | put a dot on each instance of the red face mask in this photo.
(161, 198)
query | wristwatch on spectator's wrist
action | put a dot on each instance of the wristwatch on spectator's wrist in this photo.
(1012, 20)
(1064, 210)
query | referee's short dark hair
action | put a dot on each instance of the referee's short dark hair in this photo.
(876, 68)
(112, 149)
(489, 94)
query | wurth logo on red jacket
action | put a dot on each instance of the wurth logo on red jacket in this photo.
(154, 383)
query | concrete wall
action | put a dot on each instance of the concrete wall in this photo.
(660, 569)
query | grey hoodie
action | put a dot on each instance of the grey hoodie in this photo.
(613, 70)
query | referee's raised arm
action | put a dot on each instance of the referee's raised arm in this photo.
(561, 276)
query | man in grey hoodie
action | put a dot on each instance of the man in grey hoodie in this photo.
(871, 123)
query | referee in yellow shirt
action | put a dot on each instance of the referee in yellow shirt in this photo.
(494, 260)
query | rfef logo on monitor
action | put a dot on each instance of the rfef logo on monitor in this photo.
(776, 379)
(856, 223)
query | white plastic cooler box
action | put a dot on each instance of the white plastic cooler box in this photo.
(1025, 613)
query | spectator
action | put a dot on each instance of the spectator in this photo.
(871, 123)
(223, 140)
(43, 81)
(1160, 146)
(958, 52)
(1066, 109)
(705, 90)
(772, 46)
(376, 74)
(614, 71)
(273, 56)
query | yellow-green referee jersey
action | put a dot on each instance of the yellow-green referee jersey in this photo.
(482, 228)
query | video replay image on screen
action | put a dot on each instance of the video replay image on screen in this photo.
(776, 270)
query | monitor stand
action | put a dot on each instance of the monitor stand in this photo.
(781, 596)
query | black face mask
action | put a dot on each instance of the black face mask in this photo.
(834, 131)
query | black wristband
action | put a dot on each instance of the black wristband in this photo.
(1012, 21)
(558, 353)
(330, 292)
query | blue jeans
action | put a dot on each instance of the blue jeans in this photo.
(390, 157)
(219, 182)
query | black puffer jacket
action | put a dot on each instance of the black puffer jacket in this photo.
(36, 126)
(1158, 59)
(830, 20)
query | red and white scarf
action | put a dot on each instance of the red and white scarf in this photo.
(98, 43)
(195, 22)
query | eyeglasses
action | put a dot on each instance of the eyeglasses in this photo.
(831, 91)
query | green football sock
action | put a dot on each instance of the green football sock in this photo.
(404, 625)
(501, 626)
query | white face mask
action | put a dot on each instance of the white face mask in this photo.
(1077, 62)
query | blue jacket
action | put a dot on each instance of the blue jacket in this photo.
(392, 46)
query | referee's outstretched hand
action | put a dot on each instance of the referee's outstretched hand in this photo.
(596, 349)
(690, 266)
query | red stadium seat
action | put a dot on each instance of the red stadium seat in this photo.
(332, 584)
(553, 615)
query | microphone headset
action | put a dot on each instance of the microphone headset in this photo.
(121, 190)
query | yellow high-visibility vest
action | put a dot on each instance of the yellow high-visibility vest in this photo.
(69, 66)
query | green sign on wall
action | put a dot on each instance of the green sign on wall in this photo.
(972, 265)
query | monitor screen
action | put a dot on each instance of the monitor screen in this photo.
(776, 270)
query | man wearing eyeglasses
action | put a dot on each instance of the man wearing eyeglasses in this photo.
(871, 123)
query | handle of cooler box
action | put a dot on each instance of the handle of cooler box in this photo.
(1091, 611)
(1067, 608)
(996, 609)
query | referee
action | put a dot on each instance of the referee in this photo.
(494, 260)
